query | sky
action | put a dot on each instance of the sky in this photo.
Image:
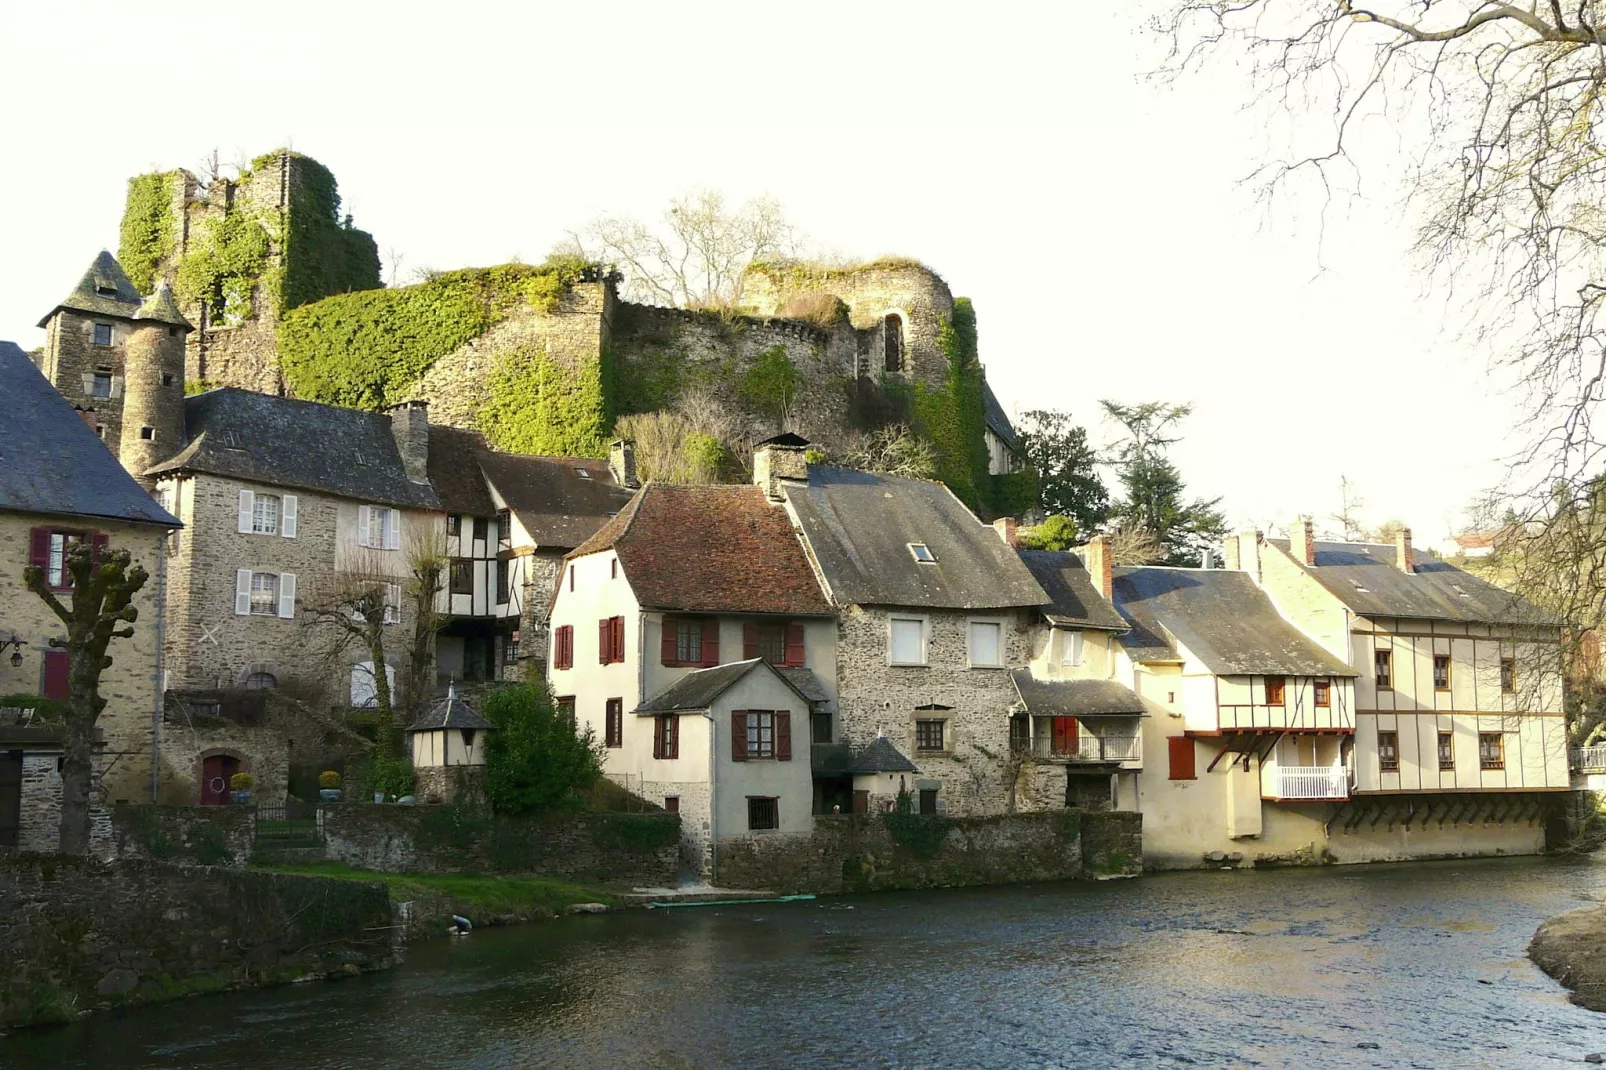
(1099, 219)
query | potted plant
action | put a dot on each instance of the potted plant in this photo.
(329, 786)
(241, 785)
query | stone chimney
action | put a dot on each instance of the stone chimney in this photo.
(409, 424)
(1302, 540)
(1007, 529)
(1248, 543)
(1404, 556)
(1229, 553)
(1100, 562)
(622, 463)
(775, 460)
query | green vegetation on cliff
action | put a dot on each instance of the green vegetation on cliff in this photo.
(323, 253)
(146, 237)
(535, 404)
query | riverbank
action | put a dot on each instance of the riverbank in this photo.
(1571, 947)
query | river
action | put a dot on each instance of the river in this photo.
(1280, 968)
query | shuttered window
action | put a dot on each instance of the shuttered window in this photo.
(758, 735)
(666, 737)
(1180, 751)
(907, 639)
(690, 641)
(563, 647)
(986, 644)
(1274, 690)
(613, 728)
(57, 665)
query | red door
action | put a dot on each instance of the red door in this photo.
(57, 665)
(1065, 735)
(215, 774)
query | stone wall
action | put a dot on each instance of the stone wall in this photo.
(81, 934)
(194, 835)
(587, 847)
(884, 852)
(39, 823)
(70, 354)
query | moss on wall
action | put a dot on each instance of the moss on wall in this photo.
(323, 253)
(535, 404)
(147, 236)
(225, 262)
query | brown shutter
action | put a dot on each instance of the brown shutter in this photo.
(98, 542)
(672, 736)
(667, 650)
(657, 737)
(618, 639)
(783, 736)
(39, 548)
(711, 641)
(57, 667)
(794, 644)
(861, 801)
(749, 640)
(738, 735)
(1181, 755)
(604, 640)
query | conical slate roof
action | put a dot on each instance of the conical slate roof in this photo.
(450, 712)
(103, 291)
(881, 757)
(161, 307)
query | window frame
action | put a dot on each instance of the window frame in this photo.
(923, 727)
(258, 513)
(666, 737)
(1383, 668)
(970, 646)
(1321, 692)
(1446, 750)
(775, 630)
(768, 805)
(1281, 687)
(1441, 659)
(1508, 675)
(1073, 647)
(755, 735)
(613, 723)
(272, 603)
(110, 332)
(95, 380)
(925, 639)
(460, 566)
(1498, 761)
(1388, 751)
(563, 647)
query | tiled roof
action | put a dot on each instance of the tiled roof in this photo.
(1073, 698)
(860, 526)
(50, 459)
(881, 757)
(298, 444)
(104, 273)
(697, 690)
(1221, 617)
(557, 505)
(450, 712)
(722, 549)
(1074, 601)
(808, 685)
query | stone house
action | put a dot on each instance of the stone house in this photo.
(59, 484)
(690, 635)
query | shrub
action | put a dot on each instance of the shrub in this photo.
(45, 710)
(1056, 533)
(242, 781)
(536, 760)
(392, 776)
(328, 779)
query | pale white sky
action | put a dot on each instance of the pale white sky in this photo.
(1096, 219)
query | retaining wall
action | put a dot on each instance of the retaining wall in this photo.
(195, 835)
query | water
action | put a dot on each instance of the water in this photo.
(1287, 968)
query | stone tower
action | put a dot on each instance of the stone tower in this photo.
(153, 385)
(85, 336)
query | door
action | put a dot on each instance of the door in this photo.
(215, 774)
(1065, 735)
(10, 797)
(57, 667)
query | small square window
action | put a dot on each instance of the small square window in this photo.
(148, 434)
(762, 813)
(928, 802)
(167, 380)
(582, 473)
(930, 735)
(671, 804)
(103, 334)
(922, 553)
(1274, 690)
(1324, 692)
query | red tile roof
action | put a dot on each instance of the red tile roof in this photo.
(722, 549)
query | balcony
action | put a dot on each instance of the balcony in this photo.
(1087, 747)
(1310, 782)
(1590, 759)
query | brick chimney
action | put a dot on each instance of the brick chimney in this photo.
(775, 461)
(1007, 526)
(1098, 559)
(1404, 556)
(622, 463)
(1302, 540)
(409, 424)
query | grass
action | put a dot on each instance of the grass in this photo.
(476, 895)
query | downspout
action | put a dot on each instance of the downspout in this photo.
(713, 809)
(161, 663)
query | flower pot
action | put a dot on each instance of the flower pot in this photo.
(241, 797)
(379, 796)
(329, 794)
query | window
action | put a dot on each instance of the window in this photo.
(758, 734)
(1180, 751)
(1324, 692)
(48, 550)
(100, 385)
(462, 581)
(820, 727)
(261, 681)
(454, 524)
(772, 642)
(391, 612)
(571, 577)
(57, 675)
(613, 728)
(167, 379)
(930, 735)
(1383, 664)
(928, 801)
(582, 473)
(564, 705)
(892, 330)
(148, 434)
(504, 530)
(1441, 672)
(1020, 732)
(103, 334)
(613, 568)
(1491, 750)
(777, 642)
(671, 804)
(1071, 648)
(986, 644)
(689, 641)
(1508, 676)
(481, 529)
(378, 528)
(908, 641)
(504, 569)
(1274, 690)
(265, 514)
(1388, 752)
(922, 553)
(762, 813)
(666, 737)
(264, 594)
(610, 640)
(510, 649)
(364, 693)
(563, 648)
(1446, 750)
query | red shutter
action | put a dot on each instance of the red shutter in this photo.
(566, 647)
(738, 735)
(56, 666)
(672, 736)
(667, 649)
(39, 548)
(657, 737)
(604, 640)
(97, 546)
(1181, 755)
(783, 736)
(711, 641)
(618, 639)
(749, 640)
(794, 644)
(1065, 735)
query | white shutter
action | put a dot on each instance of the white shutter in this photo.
(392, 530)
(247, 500)
(392, 603)
(242, 591)
(287, 595)
(287, 516)
(89, 382)
(117, 386)
(362, 525)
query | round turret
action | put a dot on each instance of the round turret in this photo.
(153, 385)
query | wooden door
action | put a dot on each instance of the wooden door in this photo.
(1065, 735)
(10, 797)
(215, 774)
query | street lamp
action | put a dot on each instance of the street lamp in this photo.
(16, 653)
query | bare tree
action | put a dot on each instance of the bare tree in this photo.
(426, 566)
(356, 607)
(895, 451)
(1348, 515)
(101, 609)
(1133, 544)
(393, 267)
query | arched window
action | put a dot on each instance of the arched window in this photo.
(260, 681)
(893, 330)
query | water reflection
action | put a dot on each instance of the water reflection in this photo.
(1268, 969)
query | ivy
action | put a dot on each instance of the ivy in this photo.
(323, 253)
(146, 238)
(222, 268)
(535, 404)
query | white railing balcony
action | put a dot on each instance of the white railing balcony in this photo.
(1090, 748)
(1592, 759)
(1311, 782)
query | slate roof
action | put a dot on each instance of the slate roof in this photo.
(300, 444)
(161, 307)
(450, 712)
(557, 506)
(1221, 617)
(454, 471)
(698, 690)
(104, 273)
(1074, 698)
(803, 679)
(1363, 577)
(997, 420)
(1074, 599)
(881, 757)
(52, 462)
(722, 549)
(860, 524)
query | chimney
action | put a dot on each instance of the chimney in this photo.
(777, 459)
(409, 424)
(622, 463)
(1302, 540)
(1007, 527)
(1404, 556)
(1229, 552)
(1099, 561)
(1249, 553)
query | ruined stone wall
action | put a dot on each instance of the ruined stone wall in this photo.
(541, 571)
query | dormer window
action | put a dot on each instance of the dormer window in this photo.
(103, 334)
(922, 553)
(105, 291)
(582, 473)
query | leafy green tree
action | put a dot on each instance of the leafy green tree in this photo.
(1058, 532)
(536, 760)
(1067, 475)
(1154, 499)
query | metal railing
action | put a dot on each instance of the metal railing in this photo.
(1090, 748)
(1312, 782)
(295, 824)
(1590, 757)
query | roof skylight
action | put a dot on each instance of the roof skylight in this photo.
(922, 553)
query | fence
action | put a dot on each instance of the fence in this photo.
(1591, 758)
(295, 824)
(1088, 747)
(1312, 782)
